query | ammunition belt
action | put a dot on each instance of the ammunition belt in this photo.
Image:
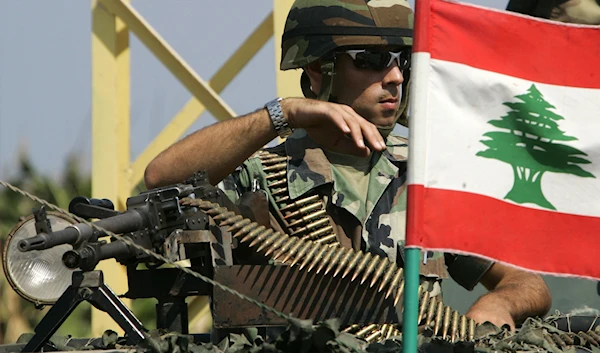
(562, 340)
(306, 217)
(331, 258)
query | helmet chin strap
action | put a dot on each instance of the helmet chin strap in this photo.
(327, 72)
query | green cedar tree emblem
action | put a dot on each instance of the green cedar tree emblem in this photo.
(530, 147)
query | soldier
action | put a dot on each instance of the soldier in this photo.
(341, 167)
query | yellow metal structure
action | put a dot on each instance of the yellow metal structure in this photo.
(110, 131)
(114, 176)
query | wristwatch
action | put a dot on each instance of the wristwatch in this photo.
(279, 121)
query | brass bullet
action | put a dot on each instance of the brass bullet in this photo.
(231, 220)
(275, 176)
(326, 239)
(280, 199)
(223, 216)
(245, 229)
(454, 327)
(471, 330)
(288, 245)
(310, 255)
(309, 226)
(365, 330)
(317, 257)
(389, 273)
(556, 338)
(253, 234)
(321, 258)
(305, 210)
(350, 328)
(300, 202)
(265, 239)
(293, 250)
(334, 260)
(383, 265)
(588, 338)
(399, 293)
(279, 191)
(308, 218)
(239, 224)
(439, 316)
(278, 183)
(354, 261)
(300, 255)
(447, 320)
(463, 328)
(373, 336)
(262, 236)
(213, 211)
(431, 311)
(567, 339)
(594, 335)
(398, 276)
(279, 242)
(326, 258)
(317, 233)
(343, 261)
(276, 167)
(423, 306)
(371, 267)
(274, 160)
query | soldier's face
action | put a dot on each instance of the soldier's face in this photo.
(374, 94)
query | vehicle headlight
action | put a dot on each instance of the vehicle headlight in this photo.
(38, 275)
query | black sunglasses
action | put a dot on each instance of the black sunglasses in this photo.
(379, 59)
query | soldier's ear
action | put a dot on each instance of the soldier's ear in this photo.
(313, 70)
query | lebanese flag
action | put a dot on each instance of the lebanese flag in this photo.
(504, 155)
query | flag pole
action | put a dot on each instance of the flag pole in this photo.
(411, 301)
(416, 157)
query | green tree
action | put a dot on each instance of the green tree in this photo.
(530, 147)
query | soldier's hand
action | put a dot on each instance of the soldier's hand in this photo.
(337, 127)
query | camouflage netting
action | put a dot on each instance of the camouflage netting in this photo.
(535, 335)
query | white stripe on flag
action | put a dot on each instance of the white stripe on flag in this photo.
(458, 107)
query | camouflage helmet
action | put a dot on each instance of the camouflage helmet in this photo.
(315, 28)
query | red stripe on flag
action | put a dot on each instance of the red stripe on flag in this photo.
(514, 45)
(539, 240)
(422, 25)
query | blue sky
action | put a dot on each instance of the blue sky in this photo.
(45, 72)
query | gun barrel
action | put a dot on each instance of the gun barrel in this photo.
(128, 221)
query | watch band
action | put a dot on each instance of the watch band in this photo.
(279, 121)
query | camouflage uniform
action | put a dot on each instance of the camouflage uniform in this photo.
(377, 225)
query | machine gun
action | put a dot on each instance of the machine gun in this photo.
(154, 220)
(180, 222)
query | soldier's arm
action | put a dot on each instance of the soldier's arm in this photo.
(218, 149)
(513, 296)
(221, 147)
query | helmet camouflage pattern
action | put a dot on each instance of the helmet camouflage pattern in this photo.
(315, 28)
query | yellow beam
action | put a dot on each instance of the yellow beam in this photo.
(288, 82)
(110, 132)
(194, 108)
(172, 61)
